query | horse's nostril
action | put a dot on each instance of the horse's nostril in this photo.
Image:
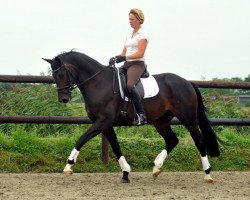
(64, 100)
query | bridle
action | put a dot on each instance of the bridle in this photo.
(66, 89)
(72, 84)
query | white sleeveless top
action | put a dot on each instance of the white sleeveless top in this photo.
(131, 43)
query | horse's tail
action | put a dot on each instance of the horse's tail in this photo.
(210, 138)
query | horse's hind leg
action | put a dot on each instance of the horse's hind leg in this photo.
(164, 129)
(111, 137)
(200, 144)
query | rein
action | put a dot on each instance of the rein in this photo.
(75, 85)
(72, 85)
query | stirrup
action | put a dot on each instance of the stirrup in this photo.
(140, 119)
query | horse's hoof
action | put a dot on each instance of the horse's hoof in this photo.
(68, 173)
(208, 179)
(123, 180)
(156, 172)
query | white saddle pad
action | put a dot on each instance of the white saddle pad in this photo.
(150, 87)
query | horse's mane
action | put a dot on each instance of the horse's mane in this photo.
(72, 55)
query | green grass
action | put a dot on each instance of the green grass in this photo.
(24, 152)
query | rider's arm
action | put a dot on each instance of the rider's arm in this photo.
(142, 45)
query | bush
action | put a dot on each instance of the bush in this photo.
(38, 100)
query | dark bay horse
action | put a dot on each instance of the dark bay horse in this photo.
(177, 97)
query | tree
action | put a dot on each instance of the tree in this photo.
(247, 79)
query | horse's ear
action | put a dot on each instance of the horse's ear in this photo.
(47, 60)
(58, 60)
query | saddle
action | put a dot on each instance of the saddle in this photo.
(147, 85)
(139, 86)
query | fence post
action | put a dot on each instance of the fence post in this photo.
(105, 150)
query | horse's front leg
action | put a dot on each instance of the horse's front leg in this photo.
(70, 162)
(171, 141)
(94, 130)
(111, 137)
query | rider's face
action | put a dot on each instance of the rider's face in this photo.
(134, 22)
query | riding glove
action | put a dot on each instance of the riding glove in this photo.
(112, 61)
(120, 58)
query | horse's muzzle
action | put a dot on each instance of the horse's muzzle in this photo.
(64, 99)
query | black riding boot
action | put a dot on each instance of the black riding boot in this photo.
(141, 116)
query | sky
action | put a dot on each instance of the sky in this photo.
(195, 39)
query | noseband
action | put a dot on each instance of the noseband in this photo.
(72, 84)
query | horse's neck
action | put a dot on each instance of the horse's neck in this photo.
(92, 78)
(97, 89)
(90, 72)
(84, 68)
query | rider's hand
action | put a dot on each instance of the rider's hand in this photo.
(112, 61)
(120, 58)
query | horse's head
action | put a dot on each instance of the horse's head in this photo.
(62, 79)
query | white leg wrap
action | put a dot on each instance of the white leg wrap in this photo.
(73, 155)
(159, 160)
(205, 163)
(124, 165)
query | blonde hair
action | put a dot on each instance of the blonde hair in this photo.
(138, 14)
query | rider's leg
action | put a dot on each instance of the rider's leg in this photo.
(136, 98)
(133, 75)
